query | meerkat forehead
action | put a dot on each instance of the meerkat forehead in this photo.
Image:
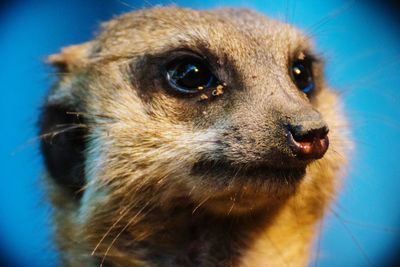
(239, 34)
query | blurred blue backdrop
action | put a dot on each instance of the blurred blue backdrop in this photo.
(361, 43)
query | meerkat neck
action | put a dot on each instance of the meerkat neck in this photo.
(191, 237)
(187, 235)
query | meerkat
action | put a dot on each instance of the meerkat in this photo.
(191, 138)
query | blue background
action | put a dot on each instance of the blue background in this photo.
(361, 43)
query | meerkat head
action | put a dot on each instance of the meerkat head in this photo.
(198, 107)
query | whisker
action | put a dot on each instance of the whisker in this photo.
(126, 4)
(233, 204)
(201, 203)
(382, 228)
(295, 211)
(88, 115)
(280, 253)
(392, 230)
(312, 30)
(123, 212)
(353, 238)
(120, 232)
(51, 135)
(287, 10)
(320, 227)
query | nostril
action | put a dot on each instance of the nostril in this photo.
(310, 135)
(309, 144)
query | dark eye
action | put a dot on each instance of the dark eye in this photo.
(302, 75)
(189, 75)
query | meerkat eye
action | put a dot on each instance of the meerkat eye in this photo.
(189, 75)
(301, 72)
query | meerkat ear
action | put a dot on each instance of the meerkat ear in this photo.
(63, 134)
(62, 128)
(70, 57)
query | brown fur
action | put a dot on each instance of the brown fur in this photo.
(142, 203)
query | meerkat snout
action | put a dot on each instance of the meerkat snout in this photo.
(308, 138)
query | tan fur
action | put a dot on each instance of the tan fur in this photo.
(142, 205)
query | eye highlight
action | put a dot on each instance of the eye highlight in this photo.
(189, 75)
(302, 75)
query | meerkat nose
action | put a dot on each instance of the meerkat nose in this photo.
(309, 144)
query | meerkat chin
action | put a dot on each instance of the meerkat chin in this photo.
(191, 138)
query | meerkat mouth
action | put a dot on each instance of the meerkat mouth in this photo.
(250, 170)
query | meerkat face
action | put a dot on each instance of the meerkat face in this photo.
(207, 107)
